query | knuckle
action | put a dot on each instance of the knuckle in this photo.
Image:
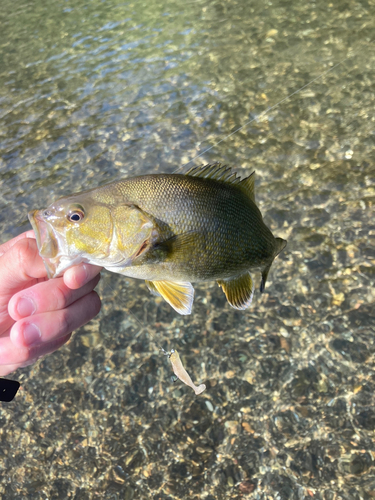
(24, 355)
(97, 300)
(65, 323)
(60, 296)
(96, 303)
(28, 362)
(20, 255)
(19, 252)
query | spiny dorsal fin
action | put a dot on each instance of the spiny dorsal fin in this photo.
(215, 171)
(225, 174)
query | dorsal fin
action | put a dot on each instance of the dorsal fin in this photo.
(247, 185)
(215, 171)
(225, 174)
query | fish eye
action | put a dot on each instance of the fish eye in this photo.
(76, 215)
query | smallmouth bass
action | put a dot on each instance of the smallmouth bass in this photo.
(168, 229)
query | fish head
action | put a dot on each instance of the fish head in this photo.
(81, 228)
(71, 231)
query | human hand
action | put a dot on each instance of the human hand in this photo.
(37, 315)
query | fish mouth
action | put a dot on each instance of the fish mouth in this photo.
(47, 241)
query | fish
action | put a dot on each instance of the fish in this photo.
(169, 229)
(182, 374)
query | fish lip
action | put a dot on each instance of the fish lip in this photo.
(46, 242)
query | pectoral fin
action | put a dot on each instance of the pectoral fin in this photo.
(178, 295)
(239, 290)
(185, 242)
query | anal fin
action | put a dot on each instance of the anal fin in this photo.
(179, 295)
(238, 290)
(150, 285)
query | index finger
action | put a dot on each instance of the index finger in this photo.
(8, 244)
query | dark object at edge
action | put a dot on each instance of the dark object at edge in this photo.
(8, 389)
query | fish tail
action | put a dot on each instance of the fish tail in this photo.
(280, 244)
(279, 247)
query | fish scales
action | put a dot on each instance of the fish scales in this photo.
(217, 214)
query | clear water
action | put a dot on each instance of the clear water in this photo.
(91, 92)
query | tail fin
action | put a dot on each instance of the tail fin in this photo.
(279, 246)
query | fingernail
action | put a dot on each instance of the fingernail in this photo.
(31, 334)
(25, 307)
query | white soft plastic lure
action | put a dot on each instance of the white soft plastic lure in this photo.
(182, 374)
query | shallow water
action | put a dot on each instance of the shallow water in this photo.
(94, 91)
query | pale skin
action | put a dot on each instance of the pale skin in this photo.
(37, 315)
